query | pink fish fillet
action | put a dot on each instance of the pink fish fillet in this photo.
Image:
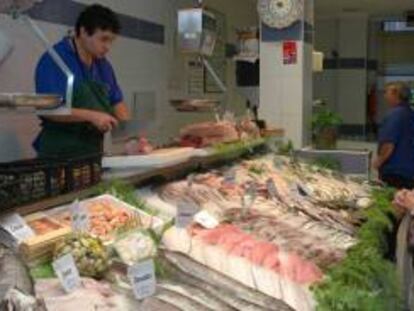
(272, 261)
(232, 243)
(244, 248)
(213, 236)
(260, 251)
(299, 270)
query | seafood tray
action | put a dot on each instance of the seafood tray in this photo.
(108, 217)
(48, 232)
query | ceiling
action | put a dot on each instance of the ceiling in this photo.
(371, 7)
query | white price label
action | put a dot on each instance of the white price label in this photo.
(190, 180)
(185, 214)
(142, 278)
(17, 227)
(67, 272)
(230, 176)
(205, 219)
(271, 189)
(80, 217)
(250, 196)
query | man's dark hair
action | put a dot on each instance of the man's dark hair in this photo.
(96, 17)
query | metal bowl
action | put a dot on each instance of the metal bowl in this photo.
(38, 101)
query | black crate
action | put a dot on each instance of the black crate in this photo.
(84, 172)
(28, 181)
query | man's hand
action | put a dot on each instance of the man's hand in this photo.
(385, 152)
(376, 164)
(405, 198)
(104, 122)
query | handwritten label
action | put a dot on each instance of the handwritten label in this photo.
(271, 189)
(190, 180)
(185, 214)
(80, 217)
(249, 197)
(67, 272)
(205, 219)
(142, 278)
(230, 176)
(17, 227)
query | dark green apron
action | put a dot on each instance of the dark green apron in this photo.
(76, 139)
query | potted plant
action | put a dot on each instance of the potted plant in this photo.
(325, 125)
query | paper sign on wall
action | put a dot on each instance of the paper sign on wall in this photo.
(290, 53)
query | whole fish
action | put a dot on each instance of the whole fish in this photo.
(196, 294)
(186, 264)
(180, 301)
(155, 304)
(227, 297)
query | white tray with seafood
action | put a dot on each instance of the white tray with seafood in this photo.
(109, 216)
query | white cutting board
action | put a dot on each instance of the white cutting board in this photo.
(158, 158)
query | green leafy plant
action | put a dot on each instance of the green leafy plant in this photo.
(325, 118)
(364, 280)
(125, 192)
(286, 149)
(324, 128)
(42, 271)
(237, 149)
(328, 163)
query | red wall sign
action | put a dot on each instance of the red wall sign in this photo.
(290, 52)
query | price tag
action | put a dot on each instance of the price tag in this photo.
(17, 227)
(80, 217)
(230, 176)
(185, 214)
(249, 197)
(271, 189)
(190, 180)
(67, 272)
(205, 219)
(142, 278)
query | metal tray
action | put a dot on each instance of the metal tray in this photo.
(39, 101)
(195, 105)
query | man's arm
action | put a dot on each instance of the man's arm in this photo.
(384, 153)
(102, 121)
(122, 112)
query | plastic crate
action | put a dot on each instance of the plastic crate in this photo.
(28, 181)
(84, 172)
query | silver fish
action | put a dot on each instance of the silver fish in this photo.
(196, 294)
(227, 297)
(180, 301)
(155, 304)
(186, 264)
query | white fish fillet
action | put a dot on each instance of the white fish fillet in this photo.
(297, 296)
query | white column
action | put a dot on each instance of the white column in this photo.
(286, 90)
